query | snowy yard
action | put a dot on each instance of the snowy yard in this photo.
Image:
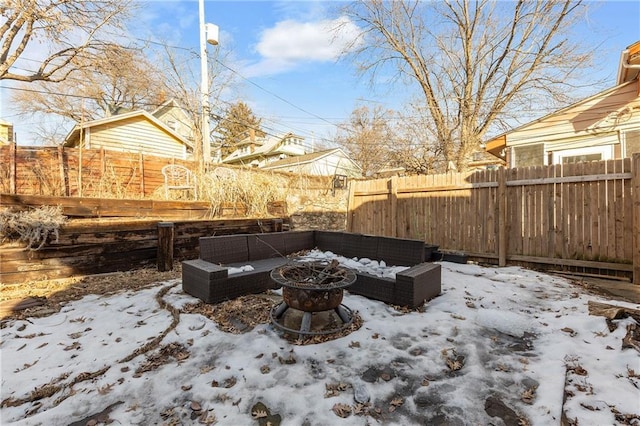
(499, 346)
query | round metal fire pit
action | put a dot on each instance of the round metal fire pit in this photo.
(312, 300)
(312, 288)
(314, 276)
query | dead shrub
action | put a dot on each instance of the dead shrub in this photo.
(34, 227)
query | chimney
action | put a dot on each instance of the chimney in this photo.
(252, 134)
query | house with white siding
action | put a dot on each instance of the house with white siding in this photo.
(330, 162)
(6, 132)
(259, 152)
(136, 132)
(176, 118)
(601, 127)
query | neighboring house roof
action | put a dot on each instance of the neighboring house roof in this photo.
(498, 143)
(172, 111)
(172, 106)
(165, 107)
(307, 159)
(74, 136)
(300, 159)
(250, 149)
(587, 117)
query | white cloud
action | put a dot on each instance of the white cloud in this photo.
(290, 43)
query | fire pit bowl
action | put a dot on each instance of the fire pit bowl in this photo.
(312, 288)
(312, 300)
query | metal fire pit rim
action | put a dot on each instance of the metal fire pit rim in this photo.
(277, 275)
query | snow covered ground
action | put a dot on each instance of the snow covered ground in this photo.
(500, 345)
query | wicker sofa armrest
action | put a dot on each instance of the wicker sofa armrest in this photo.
(199, 276)
(417, 284)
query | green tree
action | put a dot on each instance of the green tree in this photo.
(236, 124)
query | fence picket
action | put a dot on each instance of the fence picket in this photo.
(573, 222)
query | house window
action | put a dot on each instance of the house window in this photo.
(528, 155)
(579, 155)
(571, 159)
(631, 142)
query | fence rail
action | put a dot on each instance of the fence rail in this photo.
(80, 172)
(99, 173)
(584, 215)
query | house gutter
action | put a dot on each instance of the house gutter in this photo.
(624, 62)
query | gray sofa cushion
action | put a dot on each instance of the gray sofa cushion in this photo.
(265, 246)
(224, 249)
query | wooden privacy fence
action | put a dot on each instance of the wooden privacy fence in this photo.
(99, 173)
(77, 172)
(584, 216)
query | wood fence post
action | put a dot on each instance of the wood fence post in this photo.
(103, 164)
(350, 201)
(502, 216)
(141, 166)
(393, 205)
(80, 167)
(635, 193)
(166, 232)
(12, 168)
(63, 177)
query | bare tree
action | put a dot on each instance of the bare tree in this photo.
(123, 79)
(474, 62)
(182, 84)
(72, 30)
(413, 148)
(367, 138)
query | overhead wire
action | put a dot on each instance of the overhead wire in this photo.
(271, 130)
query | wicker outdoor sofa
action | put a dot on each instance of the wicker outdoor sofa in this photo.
(207, 278)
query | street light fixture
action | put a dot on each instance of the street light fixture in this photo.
(208, 34)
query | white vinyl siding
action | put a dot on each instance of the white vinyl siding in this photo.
(605, 125)
(136, 135)
(599, 116)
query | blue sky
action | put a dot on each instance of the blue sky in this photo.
(281, 47)
(292, 78)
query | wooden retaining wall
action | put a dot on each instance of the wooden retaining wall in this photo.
(584, 215)
(109, 207)
(91, 246)
(123, 208)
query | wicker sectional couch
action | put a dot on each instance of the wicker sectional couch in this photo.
(207, 277)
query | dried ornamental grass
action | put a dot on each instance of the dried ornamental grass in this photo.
(253, 190)
(34, 227)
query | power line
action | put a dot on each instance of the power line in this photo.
(298, 131)
(249, 81)
(271, 131)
